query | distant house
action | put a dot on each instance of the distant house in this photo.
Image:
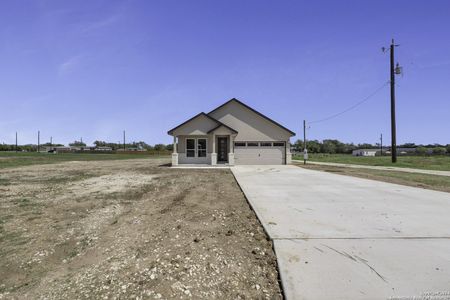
(404, 151)
(102, 148)
(365, 152)
(232, 133)
(57, 149)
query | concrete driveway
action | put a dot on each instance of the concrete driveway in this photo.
(340, 237)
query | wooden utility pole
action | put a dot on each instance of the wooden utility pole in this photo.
(124, 140)
(16, 141)
(381, 144)
(304, 142)
(39, 140)
(393, 127)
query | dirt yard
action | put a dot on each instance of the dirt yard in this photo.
(130, 229)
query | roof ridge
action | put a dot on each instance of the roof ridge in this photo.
(253, 110)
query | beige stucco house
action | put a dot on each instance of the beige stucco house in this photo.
(233, 133)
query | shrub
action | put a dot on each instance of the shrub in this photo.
(439, 150)
(421, 150)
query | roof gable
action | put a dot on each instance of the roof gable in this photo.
(234, 100)
(204, 127)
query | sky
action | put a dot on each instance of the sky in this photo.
(92, 69)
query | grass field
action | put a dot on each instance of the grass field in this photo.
(12, 159)
(438, 162)
(432, 182)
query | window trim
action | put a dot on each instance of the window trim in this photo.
(206, 147)
(190, 149)
(242, 144)
(196, 147)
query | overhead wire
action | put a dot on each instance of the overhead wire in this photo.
(353, 106)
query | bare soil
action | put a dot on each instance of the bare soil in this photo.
(130, 229)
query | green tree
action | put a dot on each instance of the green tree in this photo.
(439, 150)
(77, 144)
(328, 146)
(159, 147)
(313, 146)
(421, 150)
(100, 143)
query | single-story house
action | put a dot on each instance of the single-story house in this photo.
(233, 133)
(365, 152)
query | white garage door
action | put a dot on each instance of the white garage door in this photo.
(259, 153)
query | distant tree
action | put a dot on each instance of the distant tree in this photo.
(421, 150)
(408, 145)
(313, 146)
(366, 146)
(77, 144)
(169, 147)
(100, 143)
(439, 150)
(328, 146)
(159, 147)
(448, 148)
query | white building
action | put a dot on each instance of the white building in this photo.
(365, 152)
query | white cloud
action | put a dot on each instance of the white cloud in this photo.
(69, 65)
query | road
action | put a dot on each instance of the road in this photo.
(341, 237)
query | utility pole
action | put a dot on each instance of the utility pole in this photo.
(51, 141)
(124, 140)
(393, 127)
(39, 137)
(305, 152)
(16, 141)
(381, 144)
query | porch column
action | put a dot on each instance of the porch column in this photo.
(214, 154)
(231, 154)
(174, 153)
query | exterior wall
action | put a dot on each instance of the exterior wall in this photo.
(181, 146)
(250, 125)
(181, 149)
(198, 126)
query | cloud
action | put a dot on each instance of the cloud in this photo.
(69, 65)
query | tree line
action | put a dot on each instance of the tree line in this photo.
(333, 146)
(114, 146)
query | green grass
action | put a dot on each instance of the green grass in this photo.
(432, 182)
(436, 162)
(12, 159)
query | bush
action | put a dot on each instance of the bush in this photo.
(421, 150)
(439, 150)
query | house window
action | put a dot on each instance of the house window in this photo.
(239, 144)
(201, 147)
(252, 144)
(278, 144)
(265, 144)
(190, 147)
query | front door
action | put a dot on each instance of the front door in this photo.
(222, 154)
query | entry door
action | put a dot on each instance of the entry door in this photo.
(222, 154)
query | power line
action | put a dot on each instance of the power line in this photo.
(351, 107)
